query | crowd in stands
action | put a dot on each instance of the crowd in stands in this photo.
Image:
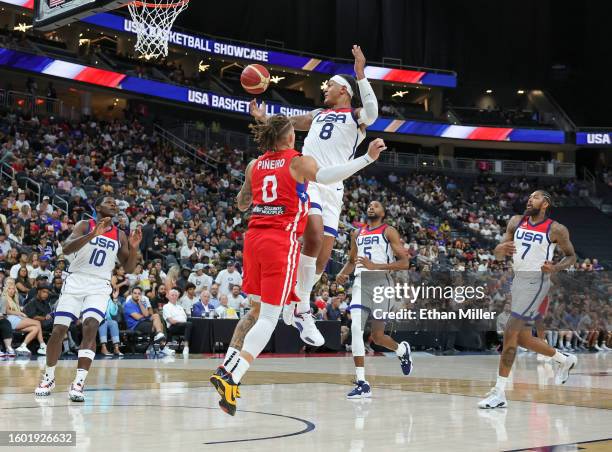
(192, 232)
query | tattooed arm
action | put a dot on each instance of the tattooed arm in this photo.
(245, 196)
(560, 235)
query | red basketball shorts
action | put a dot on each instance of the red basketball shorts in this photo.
(270, 265)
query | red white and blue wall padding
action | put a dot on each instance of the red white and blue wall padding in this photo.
(206, 99)
(460, 132)
(119, 23)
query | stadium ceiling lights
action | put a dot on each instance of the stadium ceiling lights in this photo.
(400, 93)
(22, 27)
(489, 91)
(520, 91)
(276, 79)
(203, 67)
(324, 85)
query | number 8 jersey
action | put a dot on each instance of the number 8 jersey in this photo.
(333, 137)
(533, 245)
(97, 258)
(279, 201)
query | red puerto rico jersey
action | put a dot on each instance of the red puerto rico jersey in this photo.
(279, 201)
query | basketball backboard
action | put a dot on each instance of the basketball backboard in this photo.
(52, 14)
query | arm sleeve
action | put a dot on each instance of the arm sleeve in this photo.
(369, 112)
(315, 112)
(338, 173)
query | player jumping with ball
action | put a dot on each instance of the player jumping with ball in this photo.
(333, 136)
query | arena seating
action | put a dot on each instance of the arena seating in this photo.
(72, 163)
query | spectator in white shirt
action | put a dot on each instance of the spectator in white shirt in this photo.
(207, 251)
(188, 299)
(45, 207)
(23, 262)
(176, 320)
(236, 300)
(200, 279)
(223, 311)
(228, 278)
(483, 266)
(189, 249)
(42, 269)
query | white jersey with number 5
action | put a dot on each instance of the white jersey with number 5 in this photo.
(98, 256)
(333, 137)
(373, 244)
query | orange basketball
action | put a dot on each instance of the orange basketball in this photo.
(255, 78)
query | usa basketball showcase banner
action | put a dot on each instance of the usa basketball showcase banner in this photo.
(210, 100)
(200, 43)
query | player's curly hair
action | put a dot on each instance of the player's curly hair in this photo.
(268, 133)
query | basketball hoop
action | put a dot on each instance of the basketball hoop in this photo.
(153, 21)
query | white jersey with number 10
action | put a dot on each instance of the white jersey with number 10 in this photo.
(98, 256)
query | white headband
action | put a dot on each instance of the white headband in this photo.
(342, 81)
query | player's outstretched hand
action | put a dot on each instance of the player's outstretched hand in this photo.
(102, 226)
(341, 278)
(507, 248)
(376, 147)
(258, 111)
(360, 61)
(135, 237)
(365, 262)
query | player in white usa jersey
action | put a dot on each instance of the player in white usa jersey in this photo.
(533, 232)
(333, 136)
(96, 247)
(374, 249)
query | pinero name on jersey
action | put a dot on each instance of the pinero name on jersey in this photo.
(333, 137)
(533, 245)
(373, 244)
(98, 256)
(279, 201)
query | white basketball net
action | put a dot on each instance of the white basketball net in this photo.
(153, 22)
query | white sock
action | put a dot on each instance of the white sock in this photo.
(360, 373)
(50, 372)
(401, 349)
(241, 367)
(307, 268)
(81, 375)
(501, 383)
(559, 357)
(231, 358)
